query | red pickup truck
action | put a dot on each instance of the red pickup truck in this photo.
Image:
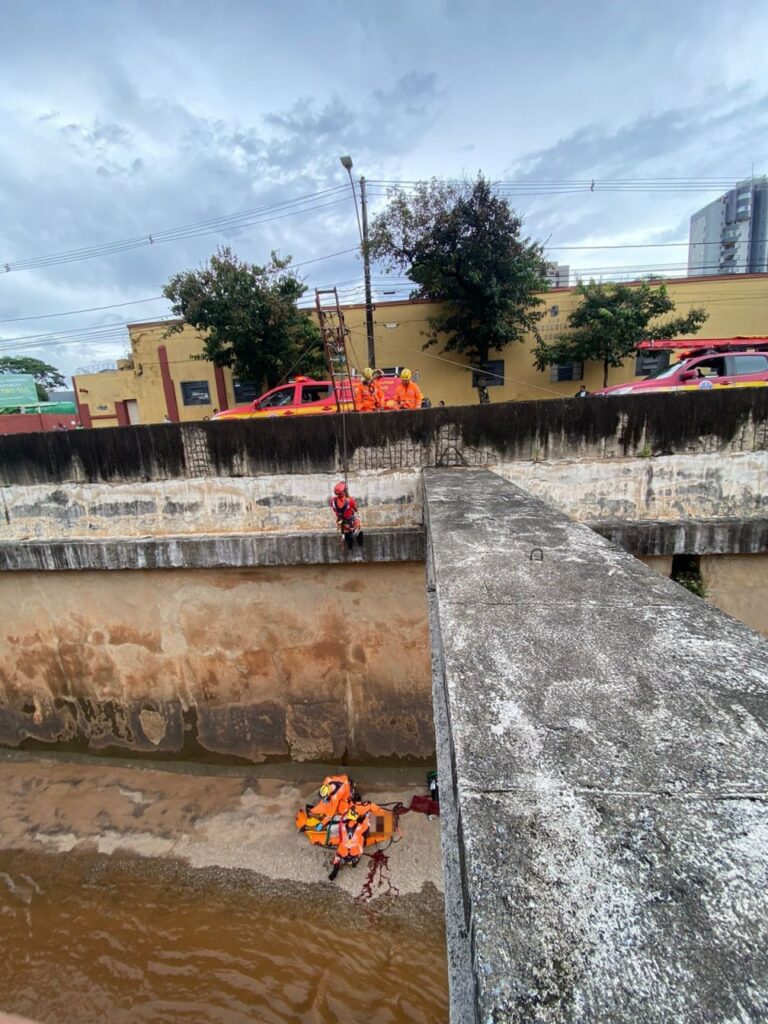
(302, 396)
(702, 373)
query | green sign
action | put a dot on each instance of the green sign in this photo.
(18, 389)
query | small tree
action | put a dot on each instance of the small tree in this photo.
(611, 320)
(46, 376)
(249, 317)
(462, 246)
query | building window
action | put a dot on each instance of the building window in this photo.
(489, 375)
(245, 390)
(573, 370)
(195, 392)
(651, 362)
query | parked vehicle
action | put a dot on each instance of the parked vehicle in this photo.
(702, 373)
(302, 396)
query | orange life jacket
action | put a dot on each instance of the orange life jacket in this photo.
(339, 800)
(408, 395)
(352, 836)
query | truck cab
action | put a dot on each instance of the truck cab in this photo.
(705, 372)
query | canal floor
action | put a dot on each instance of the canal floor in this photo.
(130, 893)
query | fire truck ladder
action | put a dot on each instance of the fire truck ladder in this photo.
(334, 334)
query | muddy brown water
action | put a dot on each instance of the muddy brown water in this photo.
(88, 939)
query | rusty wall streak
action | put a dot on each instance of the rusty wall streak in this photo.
(307, 662)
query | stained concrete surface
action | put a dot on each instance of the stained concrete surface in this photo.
(308, 663)
(230, 551)
(605, 737)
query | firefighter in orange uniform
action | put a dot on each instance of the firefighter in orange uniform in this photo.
(352, 832)
(408, 395)
(371, 394)
(335, 798)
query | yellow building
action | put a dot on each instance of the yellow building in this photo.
(162, 380)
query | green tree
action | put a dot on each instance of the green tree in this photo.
(462, 246)
(46, 376)
(611, 320)
(248, 316)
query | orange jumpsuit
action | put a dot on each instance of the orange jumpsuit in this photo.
(338, 802)
(408, 395)
(371, 396)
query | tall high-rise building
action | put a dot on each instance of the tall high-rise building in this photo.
(730, 236)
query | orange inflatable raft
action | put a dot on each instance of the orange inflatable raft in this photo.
(381, 830)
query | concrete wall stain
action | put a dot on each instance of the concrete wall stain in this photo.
(254, 665)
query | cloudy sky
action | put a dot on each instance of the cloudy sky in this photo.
(125, 120)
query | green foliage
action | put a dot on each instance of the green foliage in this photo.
(46, 376)
(461, 245)
(692, 582)
(611, 320)
(249, 318)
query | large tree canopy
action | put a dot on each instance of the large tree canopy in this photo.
(46, 376)
(611, 320)
(249, 317)
(462, 246)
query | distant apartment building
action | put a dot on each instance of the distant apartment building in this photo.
(730, 235)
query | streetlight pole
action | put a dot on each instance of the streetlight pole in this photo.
(346, 163)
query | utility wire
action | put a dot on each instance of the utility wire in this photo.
(258, 215)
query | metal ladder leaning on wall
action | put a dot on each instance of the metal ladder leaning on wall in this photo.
(335, 333)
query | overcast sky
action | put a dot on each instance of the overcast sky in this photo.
(121, 120)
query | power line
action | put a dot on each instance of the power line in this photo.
(155, 298)
(90, 309)
(258, 215)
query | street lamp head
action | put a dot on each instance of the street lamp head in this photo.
(346, 162)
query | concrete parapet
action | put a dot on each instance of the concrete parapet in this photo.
(210, 552)
(602, 742)
(688, 536)
(662, 424)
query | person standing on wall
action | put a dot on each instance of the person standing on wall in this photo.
(408, 395)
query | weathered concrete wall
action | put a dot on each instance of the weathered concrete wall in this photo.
(687, 536)
(229, 551)
(662, 564)
(679, 488)
(673, 487)
(651, 425)
(603, 746)
(702, 456)
(738, 585)
(210, 505)
(327, 663)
